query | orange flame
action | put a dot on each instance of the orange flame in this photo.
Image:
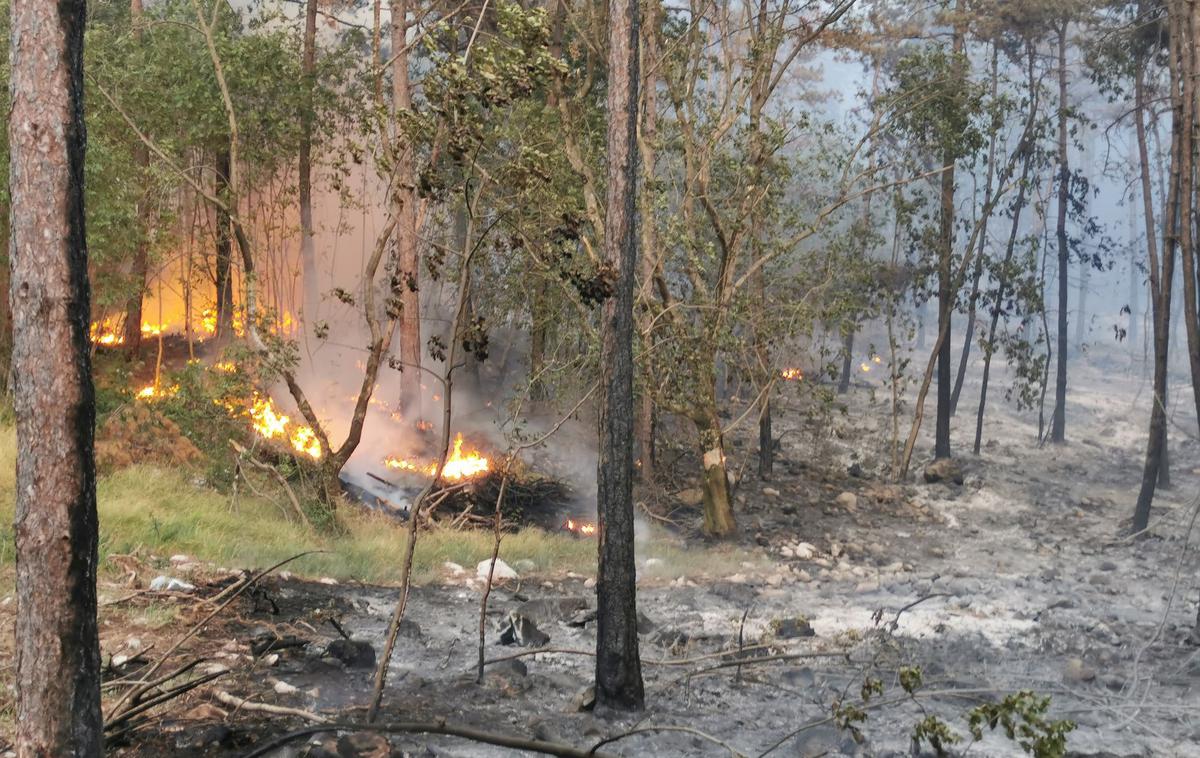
(792, 374)
(460, 464)
(270, 424)
(585, 528)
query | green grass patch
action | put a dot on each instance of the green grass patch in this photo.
(154, 513)
(148, 511)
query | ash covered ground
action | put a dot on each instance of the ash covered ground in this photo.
(1021, 578)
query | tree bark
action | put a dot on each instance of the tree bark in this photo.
(405, 199)
(1058, 422)
(847, 359)
(977, 274)
(1001, 292)
(141, 159)
(57, 645)
(224, 245)
(618, 666)
(308, 253)
(1162, 274)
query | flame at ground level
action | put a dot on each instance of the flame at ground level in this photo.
(585, 528)
(460, 464)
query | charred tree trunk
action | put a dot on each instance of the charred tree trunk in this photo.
(945, 307)
(224, 244)
(57, 644)
(1058, 422)
(308, 253)
(847, 359)
(405, 194)
(618, 666)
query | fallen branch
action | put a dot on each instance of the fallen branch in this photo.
(241, 703)
(651, 729)
(435, 727)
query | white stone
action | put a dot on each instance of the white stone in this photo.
(770, 492)
(283, 688)
(502, 571)
(804, 551)
(453, 568)
(847, 500)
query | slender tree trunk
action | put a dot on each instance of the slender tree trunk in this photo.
(618, 666)
(411, 399)
(1132, 334)
(1058, 423)
(141, 159)
(224, 244)
(977, 274)
(1161, 279)
(1001, 293)
(847, 359)
(308, 252)
(57, 644)
(648, 146)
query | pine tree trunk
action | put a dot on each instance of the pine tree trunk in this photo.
(57, 646)
(618, 666)
(411, 399)
(137, 276)
(1058, 423)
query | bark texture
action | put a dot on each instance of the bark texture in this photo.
(58, 653)
(405, 199)
(1058, 422)
(618, 667)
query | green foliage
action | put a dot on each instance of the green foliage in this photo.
(936, 733)
(1023, 718)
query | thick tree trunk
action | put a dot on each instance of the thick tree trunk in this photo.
(224, 245)
(57, 646)
(308, 252)
(411, 399)
(718, 501)
(1058, 423)
(618, 666)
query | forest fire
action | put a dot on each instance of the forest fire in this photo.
(461, 464)
(792, 374)
(580, 528)
(270, 424)
(157, 392)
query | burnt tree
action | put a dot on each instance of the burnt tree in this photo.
(618, 667)
(57, 647)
